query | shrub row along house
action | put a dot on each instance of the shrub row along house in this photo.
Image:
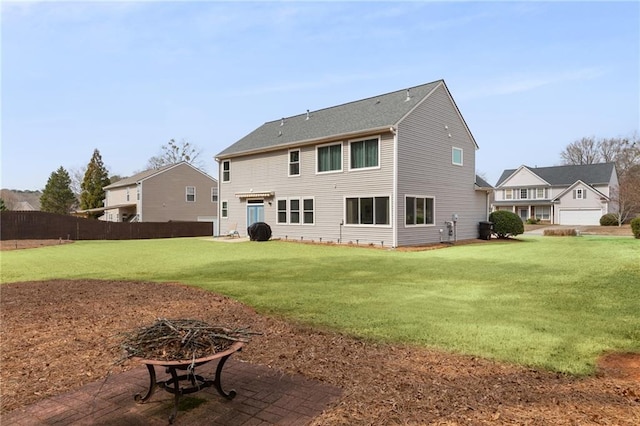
(565, 195)
(394, 170)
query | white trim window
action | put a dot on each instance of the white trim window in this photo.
(191, 194)
(295, 211)
(419, 210)
(524, 193)
(508, 194)
(127, 194)
(579, 194)
(367, 211)
(224, 208)
(364, 154)
(226, 171)
(281, 205)
(308, 211)
(214, 194)
(294, 162)
(329, 158)
(457, 156)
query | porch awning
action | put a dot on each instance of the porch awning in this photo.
(258, 194)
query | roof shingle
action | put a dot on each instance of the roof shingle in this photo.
(367, 114)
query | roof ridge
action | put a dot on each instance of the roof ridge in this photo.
(354, 102)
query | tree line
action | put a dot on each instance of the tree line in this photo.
(625, 154)
(84, 189)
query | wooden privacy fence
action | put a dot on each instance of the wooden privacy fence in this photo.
(35, 225)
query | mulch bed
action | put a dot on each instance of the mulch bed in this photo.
(58, 335)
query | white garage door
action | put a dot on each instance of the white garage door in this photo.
(580, 217)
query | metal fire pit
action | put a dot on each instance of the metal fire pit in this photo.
(193, 381)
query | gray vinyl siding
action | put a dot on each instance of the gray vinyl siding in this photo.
(268, 172)
(164, 195)
(425, 169)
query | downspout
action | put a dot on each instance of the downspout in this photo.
(394, 194)
(219, 208)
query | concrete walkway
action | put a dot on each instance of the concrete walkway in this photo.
(264, 397)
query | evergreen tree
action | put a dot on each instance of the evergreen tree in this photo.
(57, 196)
(3, 206)
(95, 179)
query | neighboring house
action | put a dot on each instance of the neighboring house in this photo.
(564, 195)
(178, 192)
(394, 170)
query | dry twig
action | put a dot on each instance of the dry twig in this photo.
(181, 339)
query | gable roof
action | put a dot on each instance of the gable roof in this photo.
(377, 113)
(591, 174)
(577, 183)
(138, 177)
(482, 184)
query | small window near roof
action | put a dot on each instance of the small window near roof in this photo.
(226, 171)
(294, 162)
(456, 156)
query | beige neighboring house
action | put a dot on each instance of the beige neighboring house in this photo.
(563, 195)
(177, 192)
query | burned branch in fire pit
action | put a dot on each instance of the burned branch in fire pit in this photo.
(181, 339)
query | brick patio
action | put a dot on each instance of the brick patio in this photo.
(264, 397)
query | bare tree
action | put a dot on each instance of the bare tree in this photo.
(625, 153)
(583, 151)
(627, 195)
(77, 176)
(174, 152)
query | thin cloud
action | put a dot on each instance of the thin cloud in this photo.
(518, 84)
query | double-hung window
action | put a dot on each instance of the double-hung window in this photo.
(226, 171)
(419, 210)
(580, 194)
(523, 193)
(294, 211)
(294, 162)
(367, 211)
(214, 194)
(329, 158)
(508, 194)
(282, 210)
(308, 211)
(364, 154)
(191, 194)
(224, 209)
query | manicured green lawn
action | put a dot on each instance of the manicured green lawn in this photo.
(552, 302)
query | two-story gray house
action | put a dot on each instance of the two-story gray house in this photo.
(564, 195)
(396, 169)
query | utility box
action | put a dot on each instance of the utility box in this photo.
(485, 229)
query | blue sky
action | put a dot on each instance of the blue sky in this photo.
(126, 77)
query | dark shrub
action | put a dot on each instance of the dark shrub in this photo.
(609, 219)
(506, 224)
(635, 227)
(533, 221)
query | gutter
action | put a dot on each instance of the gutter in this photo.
(304, 142)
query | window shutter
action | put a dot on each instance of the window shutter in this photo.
(584, 194)
(574, 194)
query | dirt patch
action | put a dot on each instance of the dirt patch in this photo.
(26, 244)
(58, 335)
